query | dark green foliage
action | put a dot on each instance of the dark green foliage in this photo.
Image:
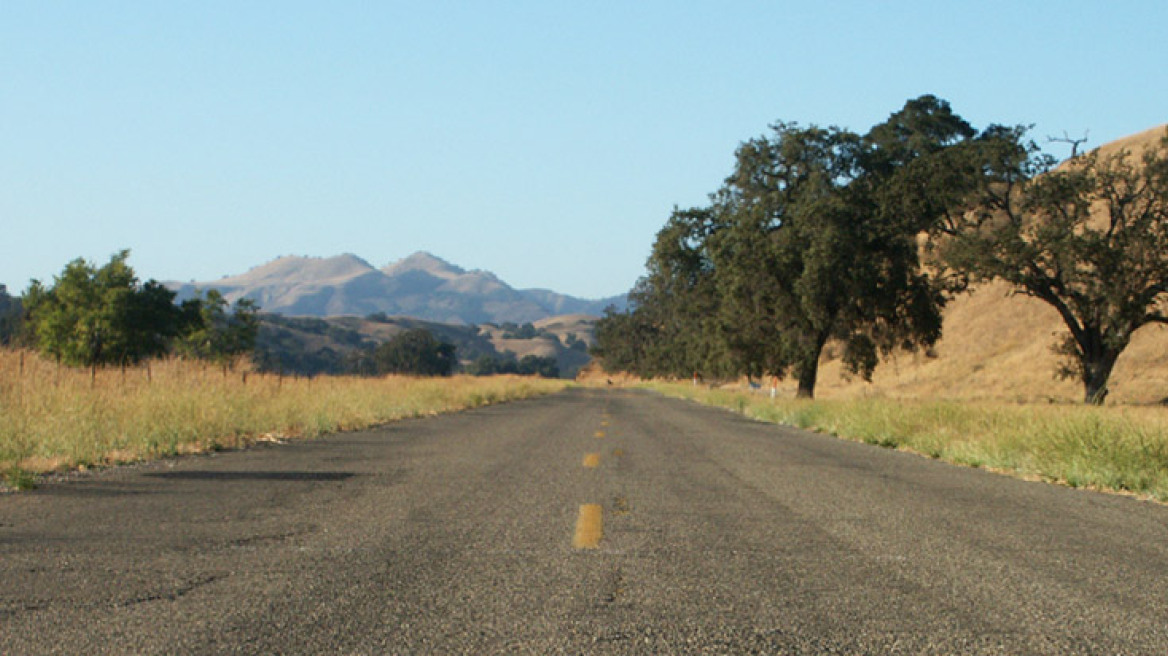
(490, 365)
(416, 352)
(214, 334)
(526, 331)
(94, 316)
(278, 350)
(528, 365)
(623, 340)
(575, 343)
(1090, 239)
(813, 238)
(534, 365)
(11, 318)
(97, 316)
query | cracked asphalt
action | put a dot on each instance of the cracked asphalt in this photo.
(461, 534)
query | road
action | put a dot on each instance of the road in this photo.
(592, 521)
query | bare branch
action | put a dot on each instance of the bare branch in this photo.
(1075, 143)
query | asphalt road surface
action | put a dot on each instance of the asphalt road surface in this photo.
(593, 521)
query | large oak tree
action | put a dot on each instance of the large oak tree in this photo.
(1089, 238)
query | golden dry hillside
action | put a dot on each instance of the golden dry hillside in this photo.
(998, 346)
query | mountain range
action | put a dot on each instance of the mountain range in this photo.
(422, 286)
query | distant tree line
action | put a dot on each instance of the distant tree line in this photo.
(94, 316)
(823, 234)
(525, 331)
(416, 351)
(528, 365)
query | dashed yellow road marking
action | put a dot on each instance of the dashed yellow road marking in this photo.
(604, 422)
(591, 459)
(618, 452)
(599, 433)
(589, 527)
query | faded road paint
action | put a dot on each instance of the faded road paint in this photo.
(589, 527)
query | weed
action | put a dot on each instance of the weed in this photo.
(19, 479)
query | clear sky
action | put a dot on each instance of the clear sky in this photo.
(545, 141)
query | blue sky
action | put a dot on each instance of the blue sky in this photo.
(545, 141)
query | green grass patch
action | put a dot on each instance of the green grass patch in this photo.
(1121, 449)
(19, 479)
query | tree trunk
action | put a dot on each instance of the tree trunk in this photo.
(1096, 371)
(807, 376)
(809, 369)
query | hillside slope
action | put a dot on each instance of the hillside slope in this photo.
(998, 346)
(314, 345)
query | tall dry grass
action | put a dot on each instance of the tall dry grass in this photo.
(54, 417)
(1115, 448)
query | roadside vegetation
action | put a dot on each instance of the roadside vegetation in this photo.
(827, 247)
(823, 237)
(55, 418)
(1119, 449)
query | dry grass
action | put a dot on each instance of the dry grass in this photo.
(1119, 449)
(54, 418)
(997, 347)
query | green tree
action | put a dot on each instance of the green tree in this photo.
(1089, 238)
(815, 236)
(677, 298)
(212, 332)
(416, 352)
(822, 241)
(671, 327)
(623, 340)
(95, 316)
(535, 365)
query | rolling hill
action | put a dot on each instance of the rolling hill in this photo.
(316, 345)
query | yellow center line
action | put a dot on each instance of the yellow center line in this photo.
(591, 459)
(589, 527)
(599, 433)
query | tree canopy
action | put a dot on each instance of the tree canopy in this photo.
(94, 316)
(415, 352)
(813, 237)
(212, 333)
(1089, 238)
